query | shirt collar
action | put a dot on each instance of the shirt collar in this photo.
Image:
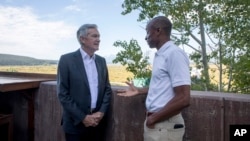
(85, 55)
(164, 47)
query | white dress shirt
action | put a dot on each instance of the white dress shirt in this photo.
(91, 71)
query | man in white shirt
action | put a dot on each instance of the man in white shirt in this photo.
(169, 89)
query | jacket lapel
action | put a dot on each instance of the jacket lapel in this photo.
(80, 65)
(99, 71)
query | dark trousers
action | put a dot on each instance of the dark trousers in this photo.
(84, 137)
(89, 134)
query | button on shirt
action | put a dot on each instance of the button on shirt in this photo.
(91, 71)
(170, 69)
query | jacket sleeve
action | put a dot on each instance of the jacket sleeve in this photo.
(63, 85)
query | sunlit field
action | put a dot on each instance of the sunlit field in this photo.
(47, 69)
(117, 74)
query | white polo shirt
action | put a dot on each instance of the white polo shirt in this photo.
(170, 69)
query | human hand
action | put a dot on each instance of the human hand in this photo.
(131, 91)
(90, 120)
(150, 123)
(98, 116)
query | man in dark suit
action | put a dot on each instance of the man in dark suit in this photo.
(83, 88)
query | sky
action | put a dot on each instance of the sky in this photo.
(46, 29)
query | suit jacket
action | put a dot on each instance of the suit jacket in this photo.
(74, 92)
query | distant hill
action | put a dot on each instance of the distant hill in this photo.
(9, 60)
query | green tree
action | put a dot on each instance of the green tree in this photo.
(214, 25)
(189, 23)
(132, 57)
(230, 22)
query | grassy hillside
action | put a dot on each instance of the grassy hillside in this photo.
(10, 60)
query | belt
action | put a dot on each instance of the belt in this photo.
(149, 113)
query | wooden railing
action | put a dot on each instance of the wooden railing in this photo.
(207, 118)
(37, 113)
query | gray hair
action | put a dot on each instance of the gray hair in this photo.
(83, 31)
